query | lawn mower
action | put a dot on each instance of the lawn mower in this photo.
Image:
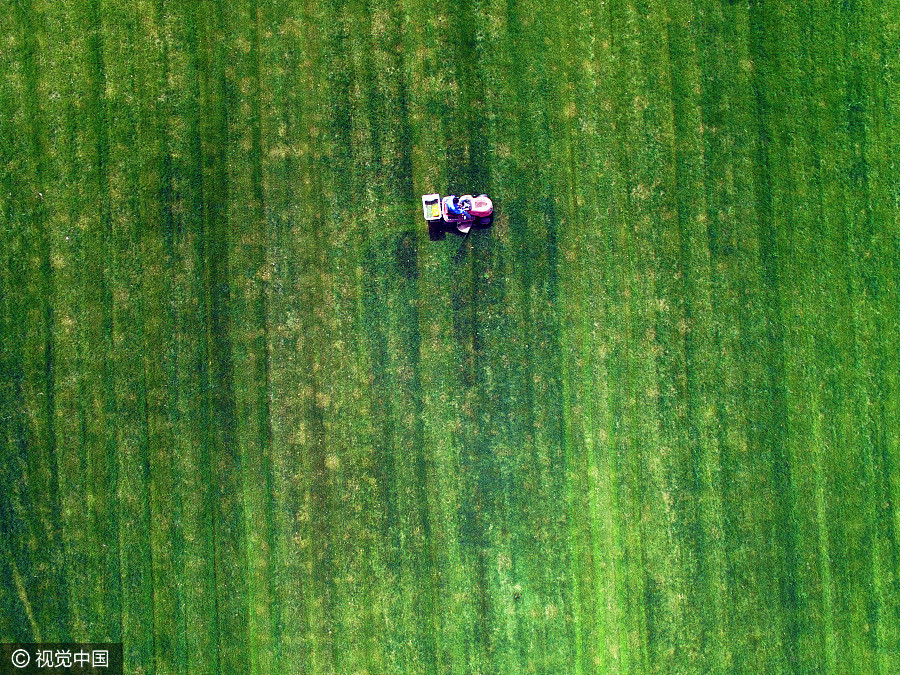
(456, 214)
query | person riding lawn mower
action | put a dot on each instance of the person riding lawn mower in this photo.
(456, 214)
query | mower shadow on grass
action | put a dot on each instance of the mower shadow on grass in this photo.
(438, 229)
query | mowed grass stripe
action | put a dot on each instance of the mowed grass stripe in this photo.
(610, 343)
(396, 352)
(250, 273)
(606, 344)
(348, 436)
(393, 257)
(686, 329)
(32, 548)
(66, 392)
(198, 451)
(357, 445)
(735, 256)
(861, 598)
(65, 239)
(82, 413)
(138, 327)
(882, 181)
(816, 249)
(713, 247)
(775, 205)
(496, 365)
(169, 250)
(438, 90)
(287, 181)
(744, 469)
(137, 210)
(125, 82)
(477, 298)
(325, 514)
(107, 36)
(530, 203)
(679, 287)
(10, 347)
(801, 433)
(443, 383)
(12, 422)
(833, 290)
(589, 264)
(802, 316)
(28, 462)
(193, 175)
(575, 455)
(217, 94)
(635, 410)
(875, 284)
(725, 121)
(103, 463)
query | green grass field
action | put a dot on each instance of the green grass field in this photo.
(254, 421)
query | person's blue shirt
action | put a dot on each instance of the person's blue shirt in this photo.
(458, 207)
